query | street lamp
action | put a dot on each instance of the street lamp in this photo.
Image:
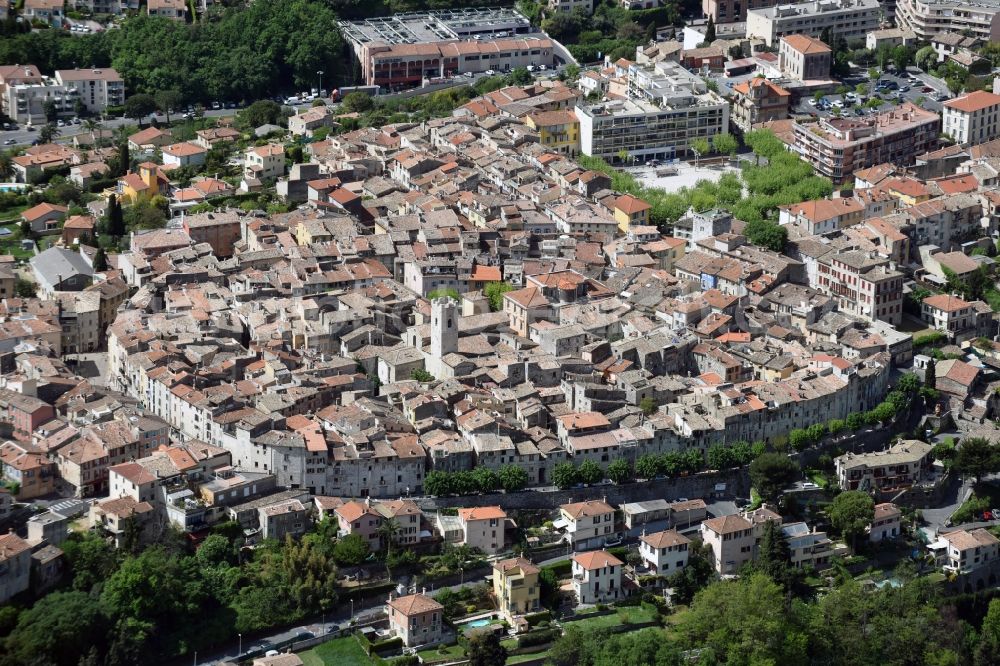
(240, 653)
(320, 72)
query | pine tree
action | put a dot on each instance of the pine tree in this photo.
(710, 30)
(116, 219)
(100, 260)
(930, 375)
(124, 159)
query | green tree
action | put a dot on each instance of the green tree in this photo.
(855, 421)
(100, 260)
(770, 473)
(619, 471)
(487, 481)
(766, 234)
(124, 163)
(744, 622)
(48, 133)
(589, 472)
(710, 30)
(564, 475)
(25, 288)
(145, 214)
(700, 147)
(799, 439)
(350, 550)
(139, 106)
(216, 550)
(357, 102)
(115, 218)
(168, 100)
(421, 375)
(725, 144)
(494, 291)
(930, 374)
(520, 76)
(50, 111)
(719, 457)
(989, 636)
(261, 112)
(513, 478)
(851, 513)
(926, 58)
(90, 559)
(485, 649)
(836, 426)
(648, 406)
(774, 557)
(647, 466)
(437, 483)
(58, 629)
(976, 457)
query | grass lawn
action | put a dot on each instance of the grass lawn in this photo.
(455, 651)
(518, 658)
(344, 651)
(12, 213)
(635, 615)
(817, 477)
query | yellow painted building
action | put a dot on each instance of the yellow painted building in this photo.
(557, 130)
(516, 587)
(631, 211)
(148, 182)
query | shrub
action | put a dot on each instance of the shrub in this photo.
(536, 619)
(537, 638)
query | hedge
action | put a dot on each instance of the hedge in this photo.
(533, 619)
(538, 637)
(560, 569)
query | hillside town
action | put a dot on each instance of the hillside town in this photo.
(502, 353)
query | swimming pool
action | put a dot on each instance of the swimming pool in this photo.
(12, 187)
(484, 622)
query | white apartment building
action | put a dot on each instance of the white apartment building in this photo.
(964, 551)
(972, 118)
(807, 547)
(887, 522)
(731, 539)
(26, 102)
(927, 18)
(570, 5)
(587, 524)
(849, 19)
(664, 552)
(597, 577)
(667, 108)
(97, 88)
(264, 162)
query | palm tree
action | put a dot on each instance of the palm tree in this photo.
(388, 531)
(6, 165)
(48, 133)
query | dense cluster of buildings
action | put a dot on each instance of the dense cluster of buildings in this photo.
(25, 92)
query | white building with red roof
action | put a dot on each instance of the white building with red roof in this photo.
(597, 577)
(483, 528)
(972, 118)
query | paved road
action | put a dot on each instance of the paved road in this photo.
(22, 137)
(338, 619)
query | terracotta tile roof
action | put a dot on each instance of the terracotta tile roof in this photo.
(630, 204)
(665, 539)
(482, 513)
(806, 44)
(886, 510)
(946, 302)
(727, 524)
(524, 564)
(597, 559)
(42, 209)
(974, 101)
(579, 510)
(415, 604)
(584, 420)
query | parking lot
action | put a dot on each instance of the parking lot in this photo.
(890, 90)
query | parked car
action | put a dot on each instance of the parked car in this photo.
(9, 142)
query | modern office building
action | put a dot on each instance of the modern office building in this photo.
(850, 19)
(927, 18)
(837, 147)
(667, 108)
(402, 50)
(732, 11)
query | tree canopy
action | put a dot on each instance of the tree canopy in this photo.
(770, 473)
